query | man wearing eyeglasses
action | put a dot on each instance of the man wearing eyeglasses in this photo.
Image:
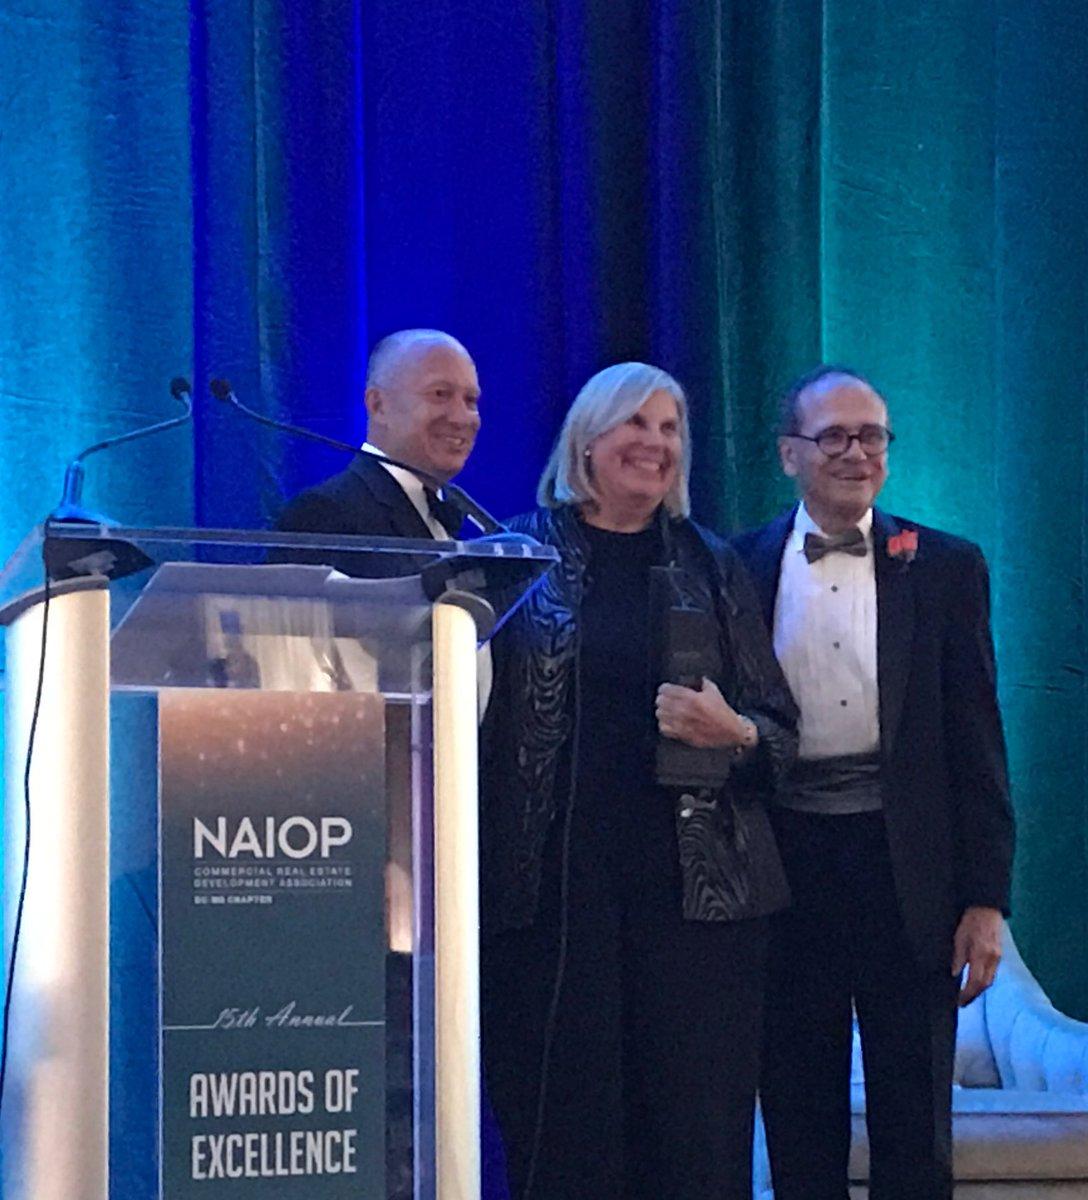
(896, 827)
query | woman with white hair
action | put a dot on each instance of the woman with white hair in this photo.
(627, 864)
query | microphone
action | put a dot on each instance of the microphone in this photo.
(222, 391)
(69, 557)
(69, 508)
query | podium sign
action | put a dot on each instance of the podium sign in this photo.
(273, 944)
(279, 759)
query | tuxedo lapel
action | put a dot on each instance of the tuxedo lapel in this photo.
(382, 489)
(764, 561)
(894, 628)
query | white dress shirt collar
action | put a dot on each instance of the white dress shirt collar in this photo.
(412, 487)
(411, 484)
(803, 523)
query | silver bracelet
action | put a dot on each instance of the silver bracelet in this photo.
(749, 738)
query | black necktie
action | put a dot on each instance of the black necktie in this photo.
(446, 512)
(851, 542)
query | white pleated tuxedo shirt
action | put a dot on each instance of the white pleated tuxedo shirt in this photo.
(825, 640)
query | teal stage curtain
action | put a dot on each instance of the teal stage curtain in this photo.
(733, 190)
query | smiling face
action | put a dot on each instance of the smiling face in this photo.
(837, 491)
(634, 464)
(426, 410)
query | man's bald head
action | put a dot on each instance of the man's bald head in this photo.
(390, 353)
(422, 400)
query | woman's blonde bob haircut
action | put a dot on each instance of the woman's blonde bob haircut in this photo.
(607, 400)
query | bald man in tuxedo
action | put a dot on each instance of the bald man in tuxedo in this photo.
(423, 408)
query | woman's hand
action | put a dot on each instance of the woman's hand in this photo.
(702, 718)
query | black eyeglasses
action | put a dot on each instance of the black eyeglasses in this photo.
(835, 441)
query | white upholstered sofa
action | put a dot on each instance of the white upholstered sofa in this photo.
(1020, 1104)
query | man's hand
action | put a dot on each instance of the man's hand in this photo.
(977, 946)
(703, 719)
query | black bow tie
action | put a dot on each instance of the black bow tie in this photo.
(851, 542)
(448, 513)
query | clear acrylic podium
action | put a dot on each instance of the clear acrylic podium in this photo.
(264, 771)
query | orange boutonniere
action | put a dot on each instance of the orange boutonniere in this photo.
(903, 546)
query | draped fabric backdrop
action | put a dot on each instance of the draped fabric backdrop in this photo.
(732, 190)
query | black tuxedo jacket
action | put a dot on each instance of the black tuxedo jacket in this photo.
(363, 499)
(946, 795)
